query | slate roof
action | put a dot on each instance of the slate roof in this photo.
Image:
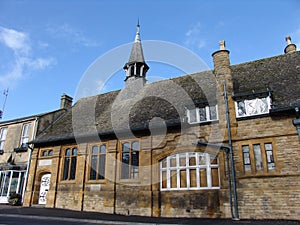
(116, 111)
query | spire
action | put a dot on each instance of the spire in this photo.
(136, 66)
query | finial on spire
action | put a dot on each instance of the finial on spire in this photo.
(137, 36)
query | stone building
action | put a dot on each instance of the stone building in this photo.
(15, 152)
(173, 149)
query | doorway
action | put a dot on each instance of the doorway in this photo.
(44, 188)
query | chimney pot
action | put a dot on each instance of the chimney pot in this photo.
(66, 101)
(290, 46)
(222, 45)
(288, 40)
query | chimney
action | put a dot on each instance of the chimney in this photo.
(290, 46)
(222, 66)
(66, 101)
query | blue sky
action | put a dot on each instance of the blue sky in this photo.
(46, 46)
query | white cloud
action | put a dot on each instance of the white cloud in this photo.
(17, 41)
(69, 33)
(194, 38)
(23, 62)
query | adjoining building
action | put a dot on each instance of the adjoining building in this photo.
(159, 149)
(15, 152)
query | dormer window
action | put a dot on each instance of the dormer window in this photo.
(253, 107)
(202, 114)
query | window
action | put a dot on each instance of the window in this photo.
(246, 157)
(98, 160)
(189, 171)
(3, 133)
(70, 164)
(270, 157)
(261, 154)
(25, 135)
(130, 160)
(201, 115)
(46, 153)
(252, 107)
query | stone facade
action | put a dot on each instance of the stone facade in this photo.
(169, 174)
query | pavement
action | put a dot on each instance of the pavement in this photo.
(102, 218)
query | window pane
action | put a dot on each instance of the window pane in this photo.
(135, 146)
(182, 159)
(192, 159)
(50, 153)
(173, 178)
(193, 115)
(258, 157)
(93, 172)
(213, 160)
(246, 157)
(68, 152)
(101, 174)
(213, 113)
(126, 147)
(270, 157)
(73, 167)
(44, 153)
(202, 159)
(173, 161)
(215, 177)
(66, 168)
(74, 151)
(95, 150)
(203, 178)
(135, 164)
(241, 108)
(164, 179)
(164, 163)
(183, 179)
(103, 149)
(202, 113)
(193, 178)
(125, 165)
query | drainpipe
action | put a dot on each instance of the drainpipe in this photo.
(231, 156)
(29, 158)
(296, 122)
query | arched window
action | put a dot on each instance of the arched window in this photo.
(130, 160)
(50, 153)
(189, 171)
(70, 164)
(98, 161)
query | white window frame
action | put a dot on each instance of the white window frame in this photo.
(208, 166)
(207, 112)
(25, 134)
(247, 113)
(3, 133)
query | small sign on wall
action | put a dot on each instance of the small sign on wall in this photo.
(45, 162)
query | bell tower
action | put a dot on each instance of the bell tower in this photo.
(136, 67)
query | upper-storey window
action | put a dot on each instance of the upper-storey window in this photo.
(202, 114)
(252, 107)
(258, 157)
(25, 135)
(3, 133)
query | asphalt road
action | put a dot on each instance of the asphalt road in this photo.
(37, 221)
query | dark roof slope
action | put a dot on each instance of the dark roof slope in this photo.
(121, 110)
(279, 74)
